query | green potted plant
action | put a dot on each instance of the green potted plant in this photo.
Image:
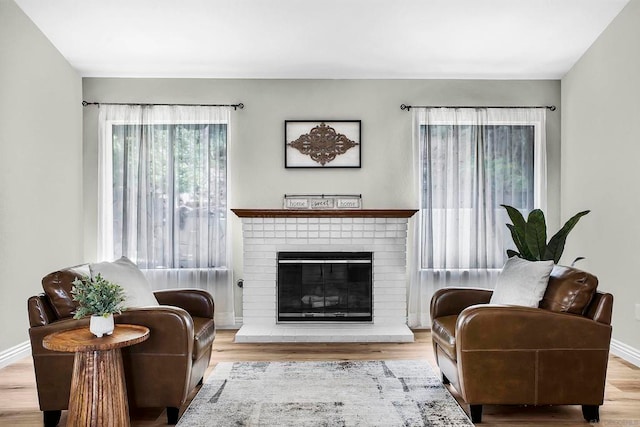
(530, 235)
(99, 298)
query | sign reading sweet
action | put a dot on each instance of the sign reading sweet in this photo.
(321, 204)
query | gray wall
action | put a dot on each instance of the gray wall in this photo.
(258, 176)
(40, 167)
(600, 152)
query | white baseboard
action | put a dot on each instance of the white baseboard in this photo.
(626, 352)
(15, 353)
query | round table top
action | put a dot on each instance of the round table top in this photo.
(81, 339)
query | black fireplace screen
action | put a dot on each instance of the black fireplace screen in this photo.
(324, 286)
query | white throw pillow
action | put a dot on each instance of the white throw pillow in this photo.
(522, 282)
(125, 273)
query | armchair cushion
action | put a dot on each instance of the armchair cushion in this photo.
(57, 286)
(125, 273)
(443, 332)
(522, 282)
(569, 291)
(205, 331)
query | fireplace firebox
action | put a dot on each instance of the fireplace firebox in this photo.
(324, 286)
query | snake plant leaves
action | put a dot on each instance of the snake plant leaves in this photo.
(530, 235)
(556, 243)
(518, 230)
(536, 234)
(511, 253)
(519, 241)
(516, 218)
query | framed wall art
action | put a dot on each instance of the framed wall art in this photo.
(322, 144)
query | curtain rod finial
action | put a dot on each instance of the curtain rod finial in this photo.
(405, 107)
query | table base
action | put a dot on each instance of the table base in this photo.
(98, 390)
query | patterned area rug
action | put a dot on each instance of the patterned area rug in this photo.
(369, 393)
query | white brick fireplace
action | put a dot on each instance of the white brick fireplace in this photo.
(268, 232)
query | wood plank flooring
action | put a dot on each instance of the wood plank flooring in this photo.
(19, 402)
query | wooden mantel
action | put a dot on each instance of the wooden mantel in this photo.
(333, 213)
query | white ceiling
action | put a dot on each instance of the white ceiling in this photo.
(392, 39)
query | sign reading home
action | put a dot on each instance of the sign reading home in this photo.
(349, 203)
(322, 201)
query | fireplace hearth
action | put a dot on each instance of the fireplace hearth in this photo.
(324, 287)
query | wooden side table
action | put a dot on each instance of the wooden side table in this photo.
(98, 389)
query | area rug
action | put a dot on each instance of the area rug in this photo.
(367, 393)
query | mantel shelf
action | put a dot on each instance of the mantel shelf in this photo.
(333, 213)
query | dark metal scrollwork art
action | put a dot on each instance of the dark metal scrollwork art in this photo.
(323, 144)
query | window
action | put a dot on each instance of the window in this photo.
(170, 197)
(470, 165)
(165, 201)
(506, 164)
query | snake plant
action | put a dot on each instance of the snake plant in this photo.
(530, 235)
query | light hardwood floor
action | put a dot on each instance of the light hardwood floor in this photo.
(19, 402)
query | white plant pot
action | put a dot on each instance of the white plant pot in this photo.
(100, 325)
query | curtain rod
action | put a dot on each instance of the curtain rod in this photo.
(409, 107)
(235, 106)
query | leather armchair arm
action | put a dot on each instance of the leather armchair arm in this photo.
(451, 301)
(37, 333)
(491, 327)
(40, 311)
(161, 366)
(171, 329)
(196, 302)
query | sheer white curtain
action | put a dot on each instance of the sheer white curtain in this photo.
(163, 196)
(469, 161)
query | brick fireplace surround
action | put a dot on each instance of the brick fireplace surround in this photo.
(267, 232)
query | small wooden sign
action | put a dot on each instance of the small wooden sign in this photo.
(322, 201)
(296, 203)
(349, 203)
(327, 203)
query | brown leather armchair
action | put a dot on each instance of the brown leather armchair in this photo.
(159, 372)
(556, 354)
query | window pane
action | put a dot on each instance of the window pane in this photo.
(170, 194)
(468, 172)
